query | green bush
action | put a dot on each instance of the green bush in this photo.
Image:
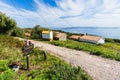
(66, 72)
(37, 32)
(18, 32)
(117, 40)
(60, 71)
(6, 24)
(109, 40)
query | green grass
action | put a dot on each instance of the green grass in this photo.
(40, 69)
(109, 49)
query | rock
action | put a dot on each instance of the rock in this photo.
(16, 68)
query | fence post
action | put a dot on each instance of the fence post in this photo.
(45, 55)
(27, 61)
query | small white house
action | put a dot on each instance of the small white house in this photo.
(61, 36)
(92, 39)
(47, 35)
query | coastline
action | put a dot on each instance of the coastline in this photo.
(105, 32)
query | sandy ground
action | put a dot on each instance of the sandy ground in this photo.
(98, 68)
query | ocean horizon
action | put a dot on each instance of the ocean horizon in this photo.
(106, 32)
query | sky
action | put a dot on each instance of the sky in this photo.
(63, 13)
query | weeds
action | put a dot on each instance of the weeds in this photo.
(40, 69)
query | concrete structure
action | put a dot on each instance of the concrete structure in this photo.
(75, 37)
(61, 36)
(88, 38)
(28, 34)
(92, 39)
(47, 35)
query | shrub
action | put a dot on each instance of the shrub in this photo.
(6, 24)
(60, 71)
(18, 32)
(109, 40)
(117, 40)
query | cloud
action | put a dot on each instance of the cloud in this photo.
(24, 18)
(110, 5)
(67, 13)
(81, 12)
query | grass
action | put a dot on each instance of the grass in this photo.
(109, 49)
(40, 69)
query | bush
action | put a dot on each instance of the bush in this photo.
(6, 24)
(117, 40)
(64, 72)
(36, 32)
(60, 71)
(18, 32)
(109, 40)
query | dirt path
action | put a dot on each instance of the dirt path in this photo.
(97, 67)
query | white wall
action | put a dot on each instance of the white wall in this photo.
(101, 41)
(63, 38)
(84, 40)
(51, 34)
(46, 36)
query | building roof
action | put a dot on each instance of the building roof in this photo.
(27, 34)
(91, 38)
(75, 37)
(45, 32)
(58, 35)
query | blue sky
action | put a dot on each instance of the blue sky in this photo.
(63, 13)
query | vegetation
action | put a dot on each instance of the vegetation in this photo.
(112, 40)
(37, 32)
(40, 69)
(6, 24)
(109, 49)
(18, 32)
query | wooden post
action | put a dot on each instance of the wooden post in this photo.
(45, 56)
(27, 61)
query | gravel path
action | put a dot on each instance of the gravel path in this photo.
(97, 67)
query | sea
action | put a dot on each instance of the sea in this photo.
(106, 32)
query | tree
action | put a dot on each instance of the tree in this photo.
(37, 32)
(18, 32)
(6, 24)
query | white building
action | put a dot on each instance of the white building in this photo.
(92, 39)
(61, 36)
(47, 35)
(75, 37)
